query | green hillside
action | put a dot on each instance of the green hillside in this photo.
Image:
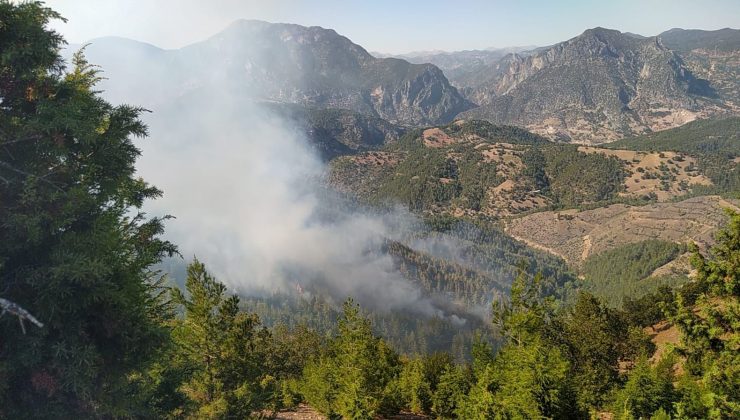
(716, 136)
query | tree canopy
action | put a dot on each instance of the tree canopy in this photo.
(75, 251)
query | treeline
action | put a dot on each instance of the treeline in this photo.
(406, 331)
(553, 361)
(494, 133)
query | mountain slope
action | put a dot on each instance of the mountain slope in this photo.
(710, 55)
(596, 87)
(312, 66)
(703, 136)
(336, 132)
(575, 235)
(479, 170)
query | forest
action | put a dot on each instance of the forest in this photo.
(89, 329)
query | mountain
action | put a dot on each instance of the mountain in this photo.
(684, 40)
(599, 86)
(287, 63)
(710, 55)
(459, 65)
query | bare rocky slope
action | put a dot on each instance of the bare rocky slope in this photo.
(603, 85)
(710, 55)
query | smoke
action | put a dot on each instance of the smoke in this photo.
(249, 199)
(247, 190)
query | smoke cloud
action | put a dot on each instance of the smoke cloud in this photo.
(247, 193)
(247, 190)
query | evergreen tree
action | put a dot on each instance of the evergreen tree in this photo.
(357, 377)
(529, 377)
(75, 250)
(419, 379)
(596, 340)
(453, 385)
(648, 390)
(415, 386)
(223, 348)
(710, 326)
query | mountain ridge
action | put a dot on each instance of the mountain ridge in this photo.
(289, 63)
(596, 87)
(599, 86)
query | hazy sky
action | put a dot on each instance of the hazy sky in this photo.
(394, 26)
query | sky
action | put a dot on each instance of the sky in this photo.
(393, 26)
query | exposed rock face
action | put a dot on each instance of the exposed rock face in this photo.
(287, 63)
(597, 87)
(710, 55)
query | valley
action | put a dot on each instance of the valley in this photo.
(270, 221)
(556, 198)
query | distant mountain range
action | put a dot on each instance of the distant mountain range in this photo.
(458, 65)
(599, 86)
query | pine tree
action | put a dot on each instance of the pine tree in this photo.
(357, 377)
(596, 339)
(75, 250)
(415, 386)
(451, 390)
(223, 348)
(648, 390)
(529, 376)
(710, 325)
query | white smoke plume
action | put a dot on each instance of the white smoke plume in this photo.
(246, 189)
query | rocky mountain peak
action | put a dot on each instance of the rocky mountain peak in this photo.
(595, 87)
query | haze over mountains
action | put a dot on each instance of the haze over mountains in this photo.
(459, 65)
(272, 222)
(292, 64)
(599, 86)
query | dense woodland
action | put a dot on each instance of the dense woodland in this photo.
(90, 330)
(626, 271)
